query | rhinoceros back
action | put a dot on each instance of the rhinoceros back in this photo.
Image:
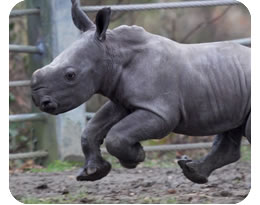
(215, 88)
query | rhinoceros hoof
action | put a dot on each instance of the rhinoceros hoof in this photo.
(190, 169)
(129, 165)
(94, 173)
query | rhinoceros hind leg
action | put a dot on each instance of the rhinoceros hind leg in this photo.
(225, 150)
(248, 129)
(190, 170)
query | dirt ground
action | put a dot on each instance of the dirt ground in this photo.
(230, 184)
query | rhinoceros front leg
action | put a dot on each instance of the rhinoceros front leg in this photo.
(225, 150)
(123, 140)
(95, 166)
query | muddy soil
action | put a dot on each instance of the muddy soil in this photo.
(230, 184)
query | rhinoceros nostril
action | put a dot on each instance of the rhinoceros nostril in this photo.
(45, 103)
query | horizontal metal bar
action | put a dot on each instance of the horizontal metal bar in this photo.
(25, 49)
(34, 49)
(23, 12)
(178, 147)
(172, 147)
(36, 154)
(168, 5)
(90, 115)
(37, 116)
(175, 147)
(27, 117)
(19, 83)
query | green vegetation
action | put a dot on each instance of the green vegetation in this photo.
(153, 159)
(160, 159)
(20, 139)
(63, 199)
(11, 97)
(157, 200)
(57, 166)
(246, 153)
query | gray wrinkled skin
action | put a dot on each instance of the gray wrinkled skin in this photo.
(155, 86)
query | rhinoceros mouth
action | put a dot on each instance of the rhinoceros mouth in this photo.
(37, 88)
(45, 103)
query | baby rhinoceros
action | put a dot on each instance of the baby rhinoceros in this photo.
(156, 86)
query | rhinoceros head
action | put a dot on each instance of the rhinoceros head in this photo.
(75, 74)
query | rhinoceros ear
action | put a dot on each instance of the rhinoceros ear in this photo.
(102, 22)
(80, 19)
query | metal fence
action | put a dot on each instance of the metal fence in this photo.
(37, 50)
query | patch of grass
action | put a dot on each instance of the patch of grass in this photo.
(113, 161)
(169, 200)
(31, 201)
(157, 200)
(246, 153)
(153, 159)
(84, 198)
(64, 199)
(159, 159)
(58, 166)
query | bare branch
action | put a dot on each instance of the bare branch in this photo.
(204, 24)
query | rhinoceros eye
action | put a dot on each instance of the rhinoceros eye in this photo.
(70, 76)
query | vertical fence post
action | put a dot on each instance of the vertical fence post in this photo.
(53, 30)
